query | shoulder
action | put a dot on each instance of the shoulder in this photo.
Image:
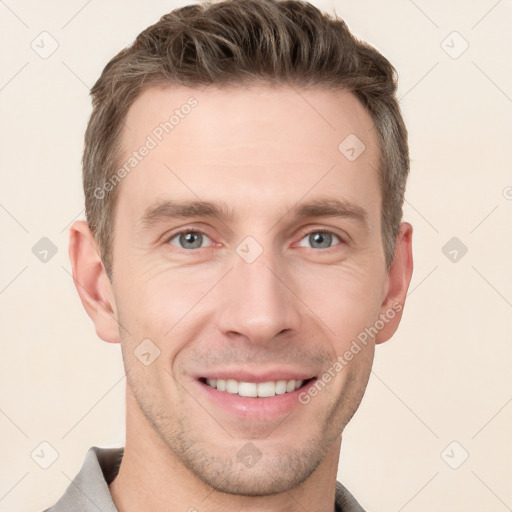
(345, 501)
(89, 489)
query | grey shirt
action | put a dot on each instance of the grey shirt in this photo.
(89, 491)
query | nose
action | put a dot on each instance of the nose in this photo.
(257, 301)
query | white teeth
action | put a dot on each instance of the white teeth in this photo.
(232, 386)
(252, 389)
(247, 389)
(280, 387)
(266, 389)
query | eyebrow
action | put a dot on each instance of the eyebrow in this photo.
(330, 208)
(322, 207)
(183, 210)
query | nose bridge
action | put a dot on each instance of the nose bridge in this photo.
(258, 305)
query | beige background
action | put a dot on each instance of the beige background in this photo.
(444, 377)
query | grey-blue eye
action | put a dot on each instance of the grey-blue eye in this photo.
(320, 239)
(189, 239)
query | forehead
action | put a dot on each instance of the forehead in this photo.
(245, 114)
(260, 146)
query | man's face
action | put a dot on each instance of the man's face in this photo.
(262, 292)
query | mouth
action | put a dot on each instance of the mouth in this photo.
(256, 389)
(240, 394)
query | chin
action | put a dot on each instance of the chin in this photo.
(249, 471)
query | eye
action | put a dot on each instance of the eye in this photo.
(320, 239)
(189, 239)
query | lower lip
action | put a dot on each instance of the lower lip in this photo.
(255, 408)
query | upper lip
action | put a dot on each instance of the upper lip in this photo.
(256, 377)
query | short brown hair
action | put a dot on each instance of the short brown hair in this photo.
(242, 42)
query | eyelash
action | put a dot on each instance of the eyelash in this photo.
(197, 231)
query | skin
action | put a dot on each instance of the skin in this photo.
(261, 150)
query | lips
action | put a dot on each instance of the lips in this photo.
(256, 396)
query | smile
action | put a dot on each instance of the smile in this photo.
(253, 389)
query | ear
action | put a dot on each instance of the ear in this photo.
(92, 283)
(398, 280)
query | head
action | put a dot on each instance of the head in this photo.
(244, 173)
(237, 43)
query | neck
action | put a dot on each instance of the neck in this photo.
(151, 477)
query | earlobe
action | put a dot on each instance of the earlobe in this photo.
(399, 278)
(91, 281)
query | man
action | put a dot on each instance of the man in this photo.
(244, 173)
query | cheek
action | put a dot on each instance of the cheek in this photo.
(345, 298)
(160, 302)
